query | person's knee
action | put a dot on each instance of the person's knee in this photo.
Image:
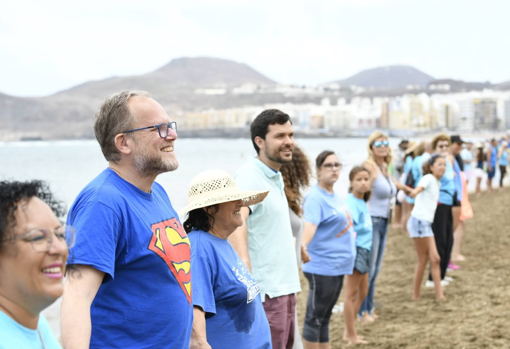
(314, 329)
(435, 260)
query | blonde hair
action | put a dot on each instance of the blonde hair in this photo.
(371, 139)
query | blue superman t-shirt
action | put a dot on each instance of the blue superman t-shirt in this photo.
(362, 221)
(136, 239)
(332, 249)
(226, 291)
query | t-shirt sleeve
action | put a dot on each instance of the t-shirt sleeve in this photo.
(97, 237)
(424, 181)
(312, 211)
(354, 211)
(202, 283)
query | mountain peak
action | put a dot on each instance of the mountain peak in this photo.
(388, 77)
(211, 71)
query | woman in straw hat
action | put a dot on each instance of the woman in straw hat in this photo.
(227, 308)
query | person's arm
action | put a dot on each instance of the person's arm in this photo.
(80, 289)
(308, 234)
(198, 338)
(500, 153)
(414, 192)
(489, 156)
(239, 239)
(401, 186)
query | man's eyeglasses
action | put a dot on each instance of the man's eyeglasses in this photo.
(379, 144)
(162, 129)
(335, 165)
(41, 239)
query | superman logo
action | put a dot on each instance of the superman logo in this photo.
(170, 242)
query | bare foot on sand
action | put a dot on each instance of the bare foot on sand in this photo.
(374, 315)
(458, 258)
(365, 318)
(440, 298)
(416, 298)
(346, 338)
(355, 340)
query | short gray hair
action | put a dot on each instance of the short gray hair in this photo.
(112, 118)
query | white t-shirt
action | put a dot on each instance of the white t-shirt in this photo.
(426, 201)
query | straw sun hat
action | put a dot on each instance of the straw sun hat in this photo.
(215, 187)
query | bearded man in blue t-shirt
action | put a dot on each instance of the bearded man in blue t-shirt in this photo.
(129, 281)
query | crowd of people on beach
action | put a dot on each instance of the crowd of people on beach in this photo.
(228, 275)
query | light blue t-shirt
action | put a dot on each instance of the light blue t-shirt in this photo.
(270, 240)
(447, 185)
(362, 221)
(503, 161)
(225, 289)
(13, 335)
(331, 254)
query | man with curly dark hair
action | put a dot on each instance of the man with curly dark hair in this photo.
(33, 254)
(131, 282)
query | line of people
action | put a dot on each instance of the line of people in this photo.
(228, 276)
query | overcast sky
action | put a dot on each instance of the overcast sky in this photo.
(47, 46)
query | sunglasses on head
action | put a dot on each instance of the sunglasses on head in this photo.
(379, 144)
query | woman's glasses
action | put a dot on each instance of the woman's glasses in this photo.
(379, 144)
(41, 239)
(333, 165)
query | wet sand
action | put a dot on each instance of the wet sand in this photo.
(476, 313)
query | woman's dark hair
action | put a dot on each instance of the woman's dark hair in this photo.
(355, 170)
(479, 154)
(296, 175)
(259, 127)
(430, 163)
(200, 219)
(13, 194)
(322, 157)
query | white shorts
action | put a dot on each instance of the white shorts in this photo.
(479, 173)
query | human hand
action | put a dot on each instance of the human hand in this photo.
(305, 257)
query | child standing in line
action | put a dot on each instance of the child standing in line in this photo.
(420, 223)
(356, 285)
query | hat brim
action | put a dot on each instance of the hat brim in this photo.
(249, 198)
(412, 148)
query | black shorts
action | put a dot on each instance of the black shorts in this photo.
(456, 201)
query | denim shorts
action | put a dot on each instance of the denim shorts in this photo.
(492, 173)
(362, 262)
(418, 228)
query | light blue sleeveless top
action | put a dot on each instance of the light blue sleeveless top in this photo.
(503, 161)
(383, 190)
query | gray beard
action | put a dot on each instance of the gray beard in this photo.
(147, 165)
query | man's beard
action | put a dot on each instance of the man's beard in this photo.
(275, 154)
(150, 165)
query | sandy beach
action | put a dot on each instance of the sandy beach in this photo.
(475, 314)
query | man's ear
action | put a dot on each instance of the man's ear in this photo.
(123, 143)
(260, 142)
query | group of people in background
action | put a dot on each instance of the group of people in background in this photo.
(228, 276)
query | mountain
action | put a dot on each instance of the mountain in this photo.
(389, 77)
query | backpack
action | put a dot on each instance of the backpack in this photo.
(410, 182)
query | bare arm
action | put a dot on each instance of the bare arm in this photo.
(308, 234)
(80, 289)
(414, 192)
(198, 331)
(489, 155)
(401, 186)
(239, 239)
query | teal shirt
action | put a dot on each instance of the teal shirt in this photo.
(270, 241)
(14, 335)
(362, 221)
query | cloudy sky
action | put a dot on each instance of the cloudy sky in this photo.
(47, 46)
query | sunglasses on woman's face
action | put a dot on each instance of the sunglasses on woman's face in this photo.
(379, 144)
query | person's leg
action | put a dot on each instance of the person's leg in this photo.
(421, 245)
(456, 216)
(277, 316)
(449, 239)
(397, 215)
(457, 241)
(489, 181)
(291, 321)
(502, 170)
(352, 293)
(434, 267)
(406, 212)
(298, 342)
(478, 185)
(324, 293)
(382, 230)
(439, 229)
(364, 310)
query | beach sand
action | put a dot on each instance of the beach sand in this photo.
(476, 312)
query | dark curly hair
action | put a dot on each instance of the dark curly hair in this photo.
(13, 193)
(260, 126)
(296, 176)
(198, 219)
